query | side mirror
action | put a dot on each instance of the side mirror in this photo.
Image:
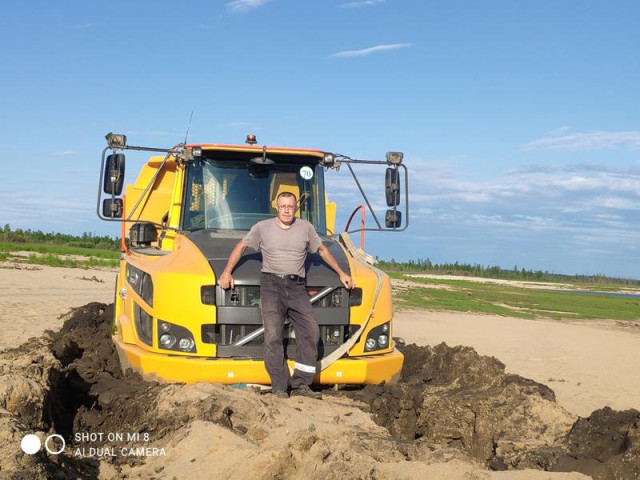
(112, 208)
(393, 219)
(114, 174)
(392, 186)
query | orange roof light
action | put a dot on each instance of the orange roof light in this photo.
(251, 139)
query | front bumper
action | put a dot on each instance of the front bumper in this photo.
(178, 368)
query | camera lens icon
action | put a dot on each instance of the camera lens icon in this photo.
(31, 444)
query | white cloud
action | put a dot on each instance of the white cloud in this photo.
(586, 141)
(529, 222)
(576, 179)
(567, 202)
(82, 26)
(243, 6)
(360, 3)
(614, 203)
(370, 50)
(560, 131)
(20, 207)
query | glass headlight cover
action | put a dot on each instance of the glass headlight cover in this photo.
(378, 338)
(174, 337)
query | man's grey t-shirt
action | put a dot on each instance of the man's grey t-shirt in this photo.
(283, 250)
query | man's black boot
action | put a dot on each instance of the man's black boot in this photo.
(305, 391)
(280, 393)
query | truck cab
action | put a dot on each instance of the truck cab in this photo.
(182, 217)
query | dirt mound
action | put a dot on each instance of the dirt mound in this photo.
(452, 415)
(455, 397)
(604, 445)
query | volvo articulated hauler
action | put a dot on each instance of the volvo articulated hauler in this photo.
(182, 217)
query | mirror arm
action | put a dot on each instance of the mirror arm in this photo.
(364, 196)
(344, 159)
(151, 149)
(406, 204)
(152, 181)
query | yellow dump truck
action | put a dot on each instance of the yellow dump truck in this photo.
(180, 220)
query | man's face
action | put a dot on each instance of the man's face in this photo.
(286, 210)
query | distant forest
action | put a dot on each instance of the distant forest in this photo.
(476, 270)
(86, 240)
(89, 240)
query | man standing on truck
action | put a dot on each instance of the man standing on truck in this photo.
(284, 242)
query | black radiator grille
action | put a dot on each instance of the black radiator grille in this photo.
(249, 296)
(334, 335)
(226, 335)
(238, 316)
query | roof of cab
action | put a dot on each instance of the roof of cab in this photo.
(258, 149)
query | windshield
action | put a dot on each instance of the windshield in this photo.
(225, 194)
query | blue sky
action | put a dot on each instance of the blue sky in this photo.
(519, 120)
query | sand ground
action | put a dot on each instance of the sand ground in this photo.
(34, 297)
(588, 364)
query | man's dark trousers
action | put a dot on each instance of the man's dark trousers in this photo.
(280, 298)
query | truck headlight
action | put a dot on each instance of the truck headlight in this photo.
(175, 337)
(378, 338)
(186, 344)
(167, 341)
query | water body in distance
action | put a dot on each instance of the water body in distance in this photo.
(606, 294)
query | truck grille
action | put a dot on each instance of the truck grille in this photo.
(238, 317)
(226, 335)
(249, 296)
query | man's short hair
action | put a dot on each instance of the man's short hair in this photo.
(286, 195)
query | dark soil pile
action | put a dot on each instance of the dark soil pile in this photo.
(86, 392)
(69, 382)
(604, 445)
(456, 397)
(94, 395)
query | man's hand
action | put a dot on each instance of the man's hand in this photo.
(328, 257)
(347, 281)
(226, 280)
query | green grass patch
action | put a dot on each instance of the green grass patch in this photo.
(515, 273)
(59, 256)
(58, 250)
(453, 301)
(57, 261)
(468, 296)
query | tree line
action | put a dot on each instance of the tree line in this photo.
(477, 270)
(89, 240)
(86, 240)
